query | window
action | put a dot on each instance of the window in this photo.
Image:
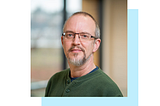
(46, 49)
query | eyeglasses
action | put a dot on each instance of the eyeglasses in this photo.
(83, 36)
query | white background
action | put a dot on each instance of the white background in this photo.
(148, 50)
(15, 54)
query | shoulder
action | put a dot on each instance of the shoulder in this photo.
(103, 81)
(104, 78)
(60, 74)
(55, 79)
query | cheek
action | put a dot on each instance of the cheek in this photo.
(89, 48)
(66, 46)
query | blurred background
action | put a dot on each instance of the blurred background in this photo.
(47, 57)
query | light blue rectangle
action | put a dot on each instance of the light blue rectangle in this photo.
(132, 67)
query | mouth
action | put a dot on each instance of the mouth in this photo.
(76, 50)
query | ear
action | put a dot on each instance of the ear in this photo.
(96, 45)
(62, 40)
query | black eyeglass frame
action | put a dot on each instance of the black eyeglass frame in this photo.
(63, 34)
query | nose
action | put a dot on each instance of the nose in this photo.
(76, 40)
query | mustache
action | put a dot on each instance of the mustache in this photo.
(75, 47)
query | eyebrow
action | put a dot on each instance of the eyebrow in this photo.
(74, 32)
(69, 31)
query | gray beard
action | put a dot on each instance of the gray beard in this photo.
(78, 62)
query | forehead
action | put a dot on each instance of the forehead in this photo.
(80, 23)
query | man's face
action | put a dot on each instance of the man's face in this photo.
(76, 51)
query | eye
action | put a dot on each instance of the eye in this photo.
(69, 35)
(84, 36)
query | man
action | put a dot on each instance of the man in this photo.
(80, 39)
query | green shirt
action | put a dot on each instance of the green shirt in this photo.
(95, 84)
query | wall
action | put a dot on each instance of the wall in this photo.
(115, 41)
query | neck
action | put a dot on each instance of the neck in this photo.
(78, 71)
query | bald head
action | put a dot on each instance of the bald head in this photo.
(85, 18)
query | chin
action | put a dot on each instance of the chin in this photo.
(76, 62)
